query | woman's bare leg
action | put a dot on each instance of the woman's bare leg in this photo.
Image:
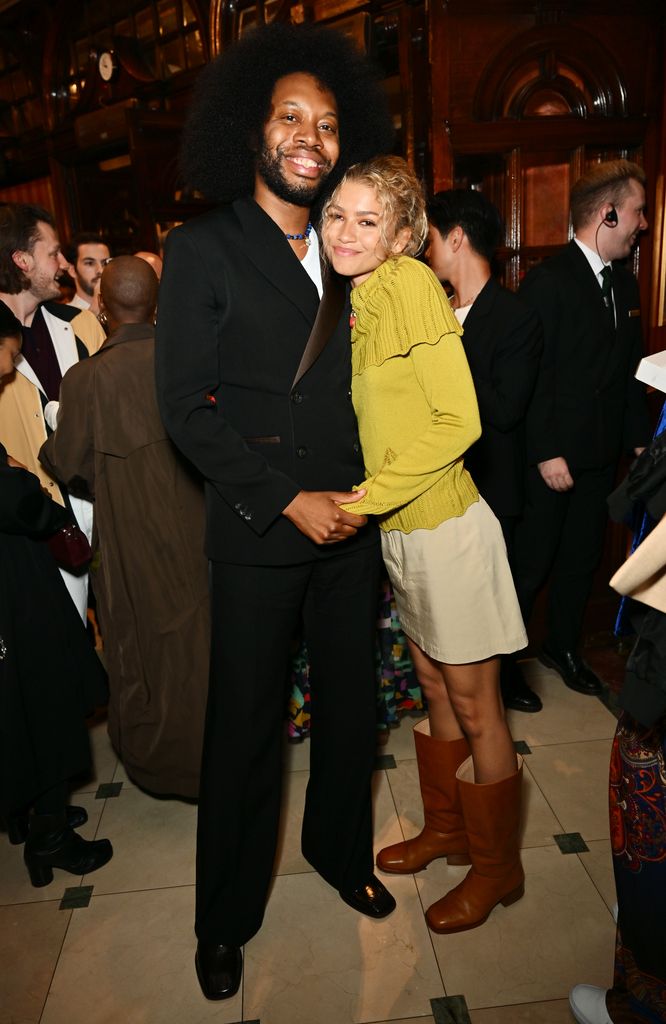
(443, 722)
(465, 700)
(474, 695)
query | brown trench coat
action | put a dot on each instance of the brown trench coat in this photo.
(152, 581)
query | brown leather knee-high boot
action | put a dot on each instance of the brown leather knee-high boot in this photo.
(443, 832)
(492, 821)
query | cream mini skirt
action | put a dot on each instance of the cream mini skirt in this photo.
(453, 588)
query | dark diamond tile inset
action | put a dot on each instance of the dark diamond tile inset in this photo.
(106, 790)
(571, 842)
(384, 761)
(76, 897)
(450, 1010)
(521, 747)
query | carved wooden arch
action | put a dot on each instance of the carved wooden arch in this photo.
(225, 18)
(594, 89)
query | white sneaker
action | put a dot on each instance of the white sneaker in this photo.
(588, 1005)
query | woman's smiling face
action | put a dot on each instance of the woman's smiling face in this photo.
(352, 231)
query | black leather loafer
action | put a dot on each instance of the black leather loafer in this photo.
(573, 670)
(219, 969)
(516, 694)
(372, 899)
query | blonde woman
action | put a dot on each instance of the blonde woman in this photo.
(443, 548)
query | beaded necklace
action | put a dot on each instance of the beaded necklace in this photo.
(303, 237)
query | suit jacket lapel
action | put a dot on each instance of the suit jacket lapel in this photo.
(586, 279)
(264, 244)
(483, 303)
(64, 340)
(325, 323)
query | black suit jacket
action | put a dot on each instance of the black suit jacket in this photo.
(587, 405)
(502, 339)
(234, 315)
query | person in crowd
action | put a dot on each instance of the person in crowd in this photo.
(443, 547)
(87, 254)
(586, 409)
(637, 784)
(253, 371)
(55, 337)
(502, 341)
(151, 583)
(153, 260)
(50, 676)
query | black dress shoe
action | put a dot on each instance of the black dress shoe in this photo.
(219, 969)
(372, 899)
(516, 694)
(575, 673)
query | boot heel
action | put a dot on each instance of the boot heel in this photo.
(514, 896)
(458, 858)
(40, 874)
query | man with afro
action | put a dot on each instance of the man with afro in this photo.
(254, 377)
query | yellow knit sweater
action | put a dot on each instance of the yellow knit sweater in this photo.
(414, 399)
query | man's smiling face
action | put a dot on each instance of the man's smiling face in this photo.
(300, 144)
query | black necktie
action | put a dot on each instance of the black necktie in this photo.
(607, 294)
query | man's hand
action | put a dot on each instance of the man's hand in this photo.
(638, 451)
(555, 474)
(317, 515)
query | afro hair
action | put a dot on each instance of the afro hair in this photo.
(232, 101)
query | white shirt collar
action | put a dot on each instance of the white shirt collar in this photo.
(592, 257)
(311, 262)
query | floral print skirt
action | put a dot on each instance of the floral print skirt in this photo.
(397, 688)
(638, 839)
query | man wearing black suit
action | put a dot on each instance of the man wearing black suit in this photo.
(502, 340)
(587, 405)
(254, 380)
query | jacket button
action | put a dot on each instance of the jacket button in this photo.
(296, 397)
(357, 448)
(301, 452)
(349, 394)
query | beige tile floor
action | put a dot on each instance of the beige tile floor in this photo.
(126, 958)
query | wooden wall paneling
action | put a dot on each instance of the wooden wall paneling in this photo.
(414, 84)
(653, 296)
(154, 141)
(512, 212)
(440, 72)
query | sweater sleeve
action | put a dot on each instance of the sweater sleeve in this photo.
(442, 373)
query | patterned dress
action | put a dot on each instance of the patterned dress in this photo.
(398, 691)
(638, 838)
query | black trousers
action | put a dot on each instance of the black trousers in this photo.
(255, 613)
(560, 540)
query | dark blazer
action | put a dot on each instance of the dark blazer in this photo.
(587, 406)
(234, 315)
(502, 339)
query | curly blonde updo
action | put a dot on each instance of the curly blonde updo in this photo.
(400, 196)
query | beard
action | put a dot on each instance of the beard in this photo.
(87, 286)
(269, 169)
(43, 287)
